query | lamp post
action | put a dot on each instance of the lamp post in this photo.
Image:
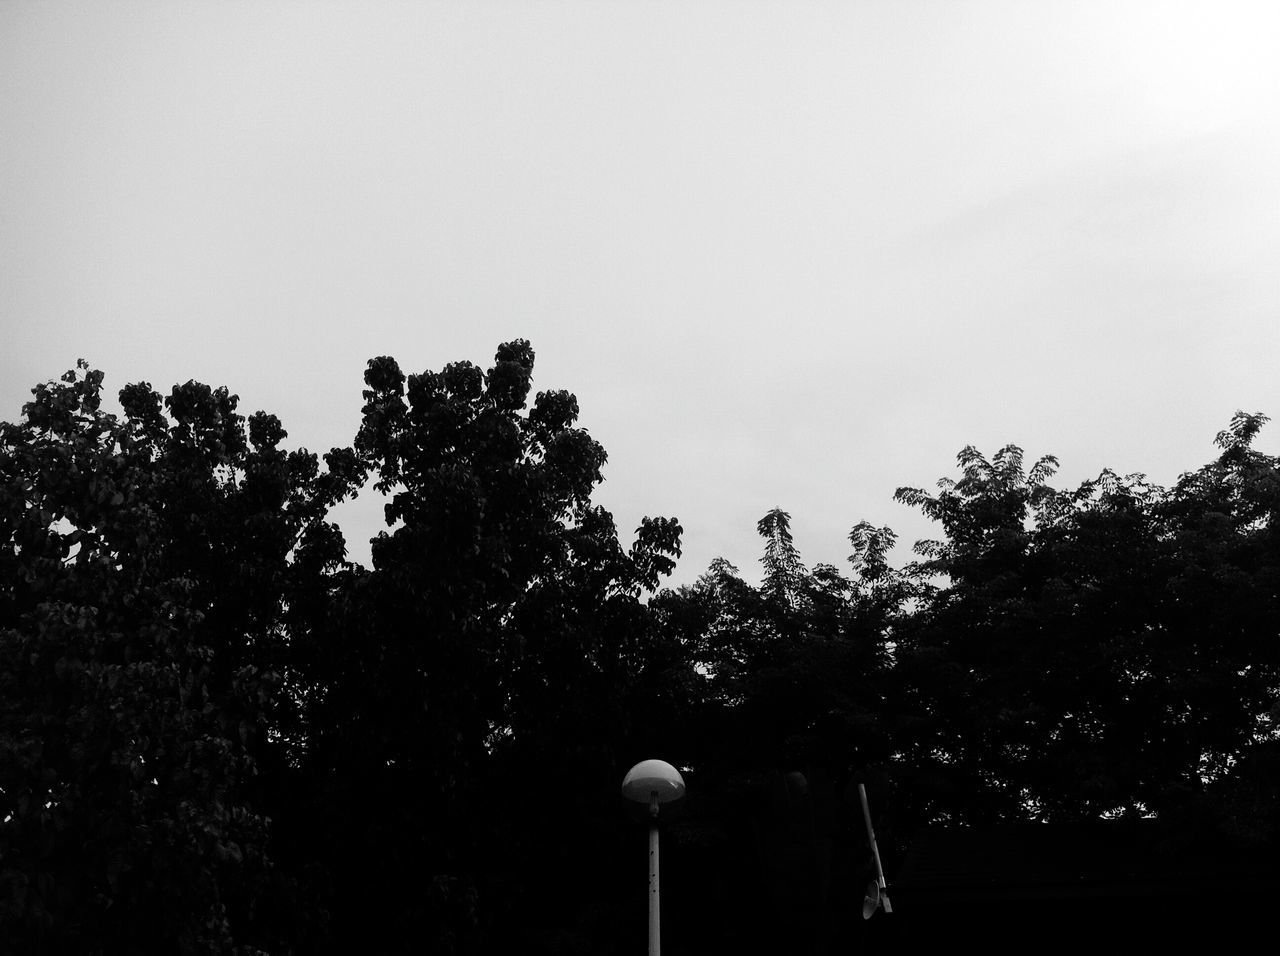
(653, 783)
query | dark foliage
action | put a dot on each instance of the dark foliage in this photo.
(218, 735)
(146, 568)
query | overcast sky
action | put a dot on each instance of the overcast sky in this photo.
(792, 254)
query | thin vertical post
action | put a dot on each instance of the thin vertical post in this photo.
(871, 833)
(875, 850)
(655, 920)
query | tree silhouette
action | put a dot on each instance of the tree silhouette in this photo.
(218, 735)
(146, 562)
(1095, 652)
(497, 639)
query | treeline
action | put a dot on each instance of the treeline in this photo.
(217, 734)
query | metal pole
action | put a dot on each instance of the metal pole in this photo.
(655, 931)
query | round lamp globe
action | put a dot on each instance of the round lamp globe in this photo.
(650, 777)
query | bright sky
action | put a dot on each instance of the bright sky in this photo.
(790, 253)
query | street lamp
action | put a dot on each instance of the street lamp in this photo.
(653, 782)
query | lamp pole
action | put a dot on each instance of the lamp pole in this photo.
(655, 899)
(653, 782)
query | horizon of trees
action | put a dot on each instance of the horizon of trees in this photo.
(217, 734)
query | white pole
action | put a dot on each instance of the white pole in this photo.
(655, 931)
(875, 850)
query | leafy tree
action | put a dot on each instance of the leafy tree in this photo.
(498, 639)
(146, 560)
(786, 719)
(1093, 652)
(217, 734)
(784, 573)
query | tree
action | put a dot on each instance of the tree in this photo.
(784, 573)
(146, 564)
(1101, 651)
(499, 633)
(784, 720)
(217, 734)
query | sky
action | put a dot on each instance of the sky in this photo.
(789, 254)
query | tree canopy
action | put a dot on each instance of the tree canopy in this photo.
(218, 734)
